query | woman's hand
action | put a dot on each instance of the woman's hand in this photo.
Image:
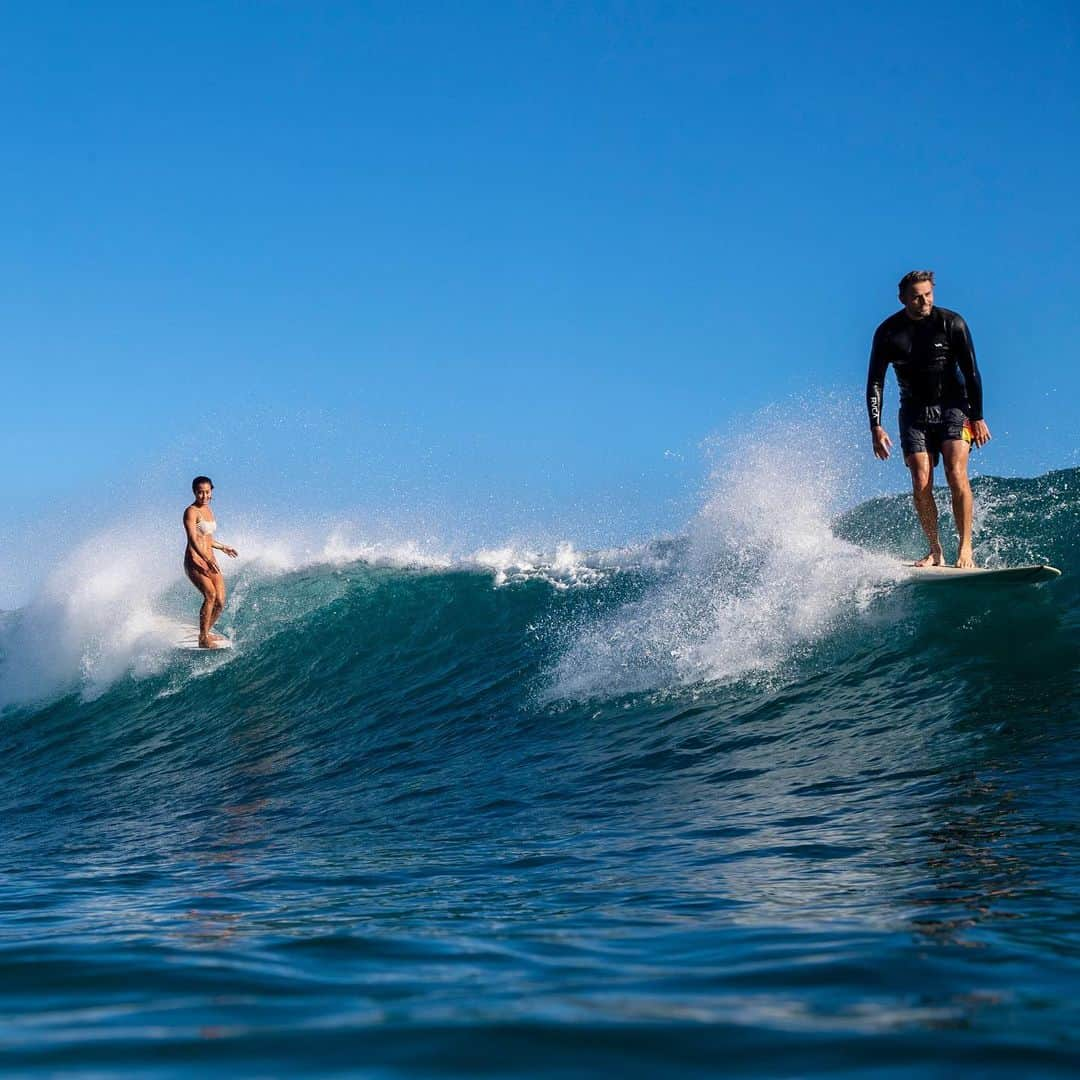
(201, 563)
(231, 552)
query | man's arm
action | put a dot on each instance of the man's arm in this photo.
(964, 350)
(875, 393)
(875, 381)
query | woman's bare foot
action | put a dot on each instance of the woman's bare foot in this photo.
(936, 557)
(210, 642)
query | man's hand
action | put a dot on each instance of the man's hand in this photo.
(883, 444)
(980, 432)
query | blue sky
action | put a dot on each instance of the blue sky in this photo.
(522, 256)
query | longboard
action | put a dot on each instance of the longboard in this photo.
(190, 643)
(1010, 575)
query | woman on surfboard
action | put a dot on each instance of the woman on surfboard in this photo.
(199, 562)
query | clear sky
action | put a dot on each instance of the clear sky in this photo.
(506, 254)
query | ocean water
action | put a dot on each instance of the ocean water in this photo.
(738, 801)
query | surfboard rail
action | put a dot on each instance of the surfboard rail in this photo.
(988, 575)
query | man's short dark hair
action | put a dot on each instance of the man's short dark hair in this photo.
(201, 480)
(913, 277)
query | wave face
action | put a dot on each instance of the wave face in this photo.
(737, 800)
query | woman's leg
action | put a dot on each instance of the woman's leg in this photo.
(219, 601)
(205, 584)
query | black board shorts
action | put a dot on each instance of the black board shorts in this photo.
(922, 431)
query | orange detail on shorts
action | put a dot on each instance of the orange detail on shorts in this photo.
(967, 433)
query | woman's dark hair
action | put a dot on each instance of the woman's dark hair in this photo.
(201, 480)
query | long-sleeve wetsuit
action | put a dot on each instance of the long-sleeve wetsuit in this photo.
(934, 361)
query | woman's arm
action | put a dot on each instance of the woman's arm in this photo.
(204, 560)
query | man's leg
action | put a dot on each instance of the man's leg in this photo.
(922, 491)
(955, 454)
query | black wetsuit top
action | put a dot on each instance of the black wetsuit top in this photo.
(934, 361)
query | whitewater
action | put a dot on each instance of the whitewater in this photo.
(737, 800)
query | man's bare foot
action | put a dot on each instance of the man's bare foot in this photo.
(936, 557)
(964, 560)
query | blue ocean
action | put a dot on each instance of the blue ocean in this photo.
(740, 800)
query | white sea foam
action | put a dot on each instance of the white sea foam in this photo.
(564, 568)
(761, 575)
(92, 621)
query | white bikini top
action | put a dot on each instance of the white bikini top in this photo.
(206, 527)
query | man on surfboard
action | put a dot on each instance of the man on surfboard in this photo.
(941, 415)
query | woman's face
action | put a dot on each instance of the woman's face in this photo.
(203, 494)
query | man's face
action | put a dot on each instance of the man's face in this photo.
(918, 299)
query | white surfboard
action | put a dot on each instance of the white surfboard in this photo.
(163, 632)
(190, 643)
(1009, 575)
